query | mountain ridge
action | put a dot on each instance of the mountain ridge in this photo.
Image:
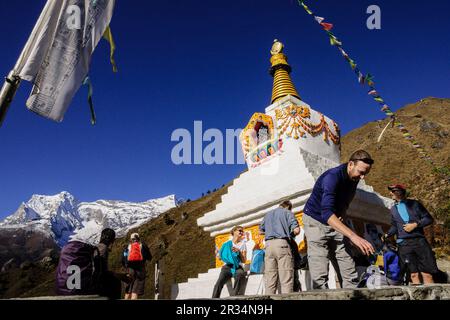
(64, 218)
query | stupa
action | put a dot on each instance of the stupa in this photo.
(286, 149)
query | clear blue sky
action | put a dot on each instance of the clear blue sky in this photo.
(181, 61)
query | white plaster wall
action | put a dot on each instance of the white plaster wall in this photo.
(315, 145)
(259, 190)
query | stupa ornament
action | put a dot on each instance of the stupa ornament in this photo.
(280, 70)
(277, 47)
(293, 120)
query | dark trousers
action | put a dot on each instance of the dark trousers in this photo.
(297, 284)
(225, 275)
(417, 254)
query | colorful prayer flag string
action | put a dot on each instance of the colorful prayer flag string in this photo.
(366, 79)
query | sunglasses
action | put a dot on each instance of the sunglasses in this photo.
(365, 160)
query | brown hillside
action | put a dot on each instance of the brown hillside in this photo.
(185, 248)
(396, 161)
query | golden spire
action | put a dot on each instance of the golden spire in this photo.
(280, 70)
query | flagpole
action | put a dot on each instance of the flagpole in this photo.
(12, 81)
(9, 89)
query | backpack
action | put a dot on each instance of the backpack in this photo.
(257, 264)
(392, 265)
(372, 278)
(135, 252)
(300, 262)
(79, 269)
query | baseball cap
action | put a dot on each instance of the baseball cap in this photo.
(134, 236)
(394, 187)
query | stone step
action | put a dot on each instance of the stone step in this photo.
(202, 286)
(212, 273)
(243, 192)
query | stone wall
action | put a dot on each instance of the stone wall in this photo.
(428, 292)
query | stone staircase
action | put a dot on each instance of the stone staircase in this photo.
(316, 164)
(202, 286)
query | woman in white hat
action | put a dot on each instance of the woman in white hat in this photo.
(135, 256)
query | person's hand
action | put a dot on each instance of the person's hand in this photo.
(362, 244)
(409, 226)
(234, 249)
(127, 278)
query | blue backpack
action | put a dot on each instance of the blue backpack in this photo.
(257, 264)
(392, 267)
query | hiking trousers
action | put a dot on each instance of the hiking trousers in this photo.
(225, 275)
(278, 266)
(324, 245)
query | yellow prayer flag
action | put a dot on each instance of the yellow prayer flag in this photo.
(108, 36)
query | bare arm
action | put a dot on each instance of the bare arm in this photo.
(293, 224)
(243, 256)
(337, 225)
(340, 227)
(262, 227)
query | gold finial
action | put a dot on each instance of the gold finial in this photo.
(280, 70)
(277, 47)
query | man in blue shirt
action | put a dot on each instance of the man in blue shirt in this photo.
(408, 218)
(278, 226)
(323, 215)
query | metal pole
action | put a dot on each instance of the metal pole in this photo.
(7, 94)
(12, 81)
(157, 280)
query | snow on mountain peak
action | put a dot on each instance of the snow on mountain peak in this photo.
(64, 218)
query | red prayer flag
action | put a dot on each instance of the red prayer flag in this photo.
(327, 26)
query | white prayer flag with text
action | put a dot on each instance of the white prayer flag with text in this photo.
(58, 53)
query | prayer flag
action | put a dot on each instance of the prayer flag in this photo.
(57, 55)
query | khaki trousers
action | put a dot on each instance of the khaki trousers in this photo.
(278, 266)
(325, 245)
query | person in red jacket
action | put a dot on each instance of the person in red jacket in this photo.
(134, 258)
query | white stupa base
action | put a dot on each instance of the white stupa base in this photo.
(202, 286)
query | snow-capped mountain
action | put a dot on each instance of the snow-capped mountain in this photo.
(63, 218)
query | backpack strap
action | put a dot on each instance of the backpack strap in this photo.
(96, 254)
(97, 270)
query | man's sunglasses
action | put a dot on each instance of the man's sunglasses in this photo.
(365, 160)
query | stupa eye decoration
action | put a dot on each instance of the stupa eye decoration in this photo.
(258, 139)
(258, 130)
(293, 121)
